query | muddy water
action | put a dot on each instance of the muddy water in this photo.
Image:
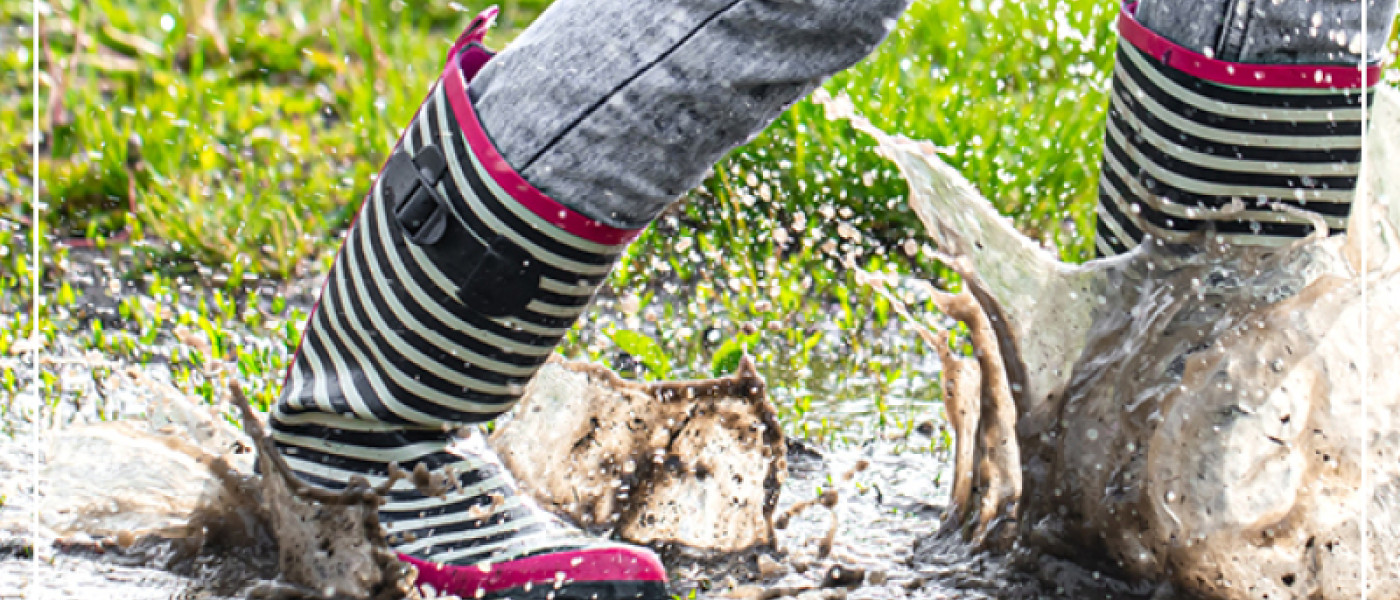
(882, 510)
(1202, 419)
(889, 498)
(889, 494)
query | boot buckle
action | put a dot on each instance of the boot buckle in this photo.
(410, 186)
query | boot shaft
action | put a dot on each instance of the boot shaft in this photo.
(1204, 151)
(453, 286)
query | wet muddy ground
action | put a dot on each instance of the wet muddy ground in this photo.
(889, 495)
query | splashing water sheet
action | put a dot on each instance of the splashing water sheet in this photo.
(1190, 418)
(1174, 422)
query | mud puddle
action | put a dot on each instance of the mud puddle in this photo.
(851, 518)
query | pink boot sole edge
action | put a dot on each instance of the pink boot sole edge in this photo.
(600, 573)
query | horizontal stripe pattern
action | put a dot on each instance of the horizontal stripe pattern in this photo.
(390, 343)
(1184, 156)
(391, 362)
(482, 519)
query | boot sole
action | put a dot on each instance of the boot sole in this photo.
(586, 590)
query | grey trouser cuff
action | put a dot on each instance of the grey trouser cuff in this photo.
(1320, 32)
(617, 107)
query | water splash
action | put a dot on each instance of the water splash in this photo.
(1188, 415)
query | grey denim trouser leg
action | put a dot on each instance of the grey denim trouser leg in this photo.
(1316, 32)
(617, 107)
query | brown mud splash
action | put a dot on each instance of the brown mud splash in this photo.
(179, 494)
(1182, 415)
(330, 544)
(693, 467)
(689, 465)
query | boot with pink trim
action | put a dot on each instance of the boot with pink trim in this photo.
(1197, 144)
(454, 285)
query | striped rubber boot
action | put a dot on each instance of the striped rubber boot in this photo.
(1195, 143)
(453, 286)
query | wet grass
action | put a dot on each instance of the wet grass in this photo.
(235, 135)
(206, 157)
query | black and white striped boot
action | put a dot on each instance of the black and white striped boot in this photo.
(454, 285)
(1195, 143)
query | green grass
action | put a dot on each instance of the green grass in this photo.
(242, 145)
(237, 148)
(246, 144)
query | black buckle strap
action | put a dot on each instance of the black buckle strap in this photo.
(497, 278)
(410, 186)
(503, 280)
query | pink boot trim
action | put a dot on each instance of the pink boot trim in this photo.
(608, 564)
(1247, 75)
